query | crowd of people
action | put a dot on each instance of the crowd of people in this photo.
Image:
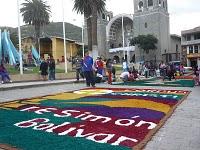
(47, 68)
(99, 70)
(94, 71)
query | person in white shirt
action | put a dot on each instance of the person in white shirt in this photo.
(124, 76)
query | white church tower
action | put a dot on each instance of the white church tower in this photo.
(152, 17)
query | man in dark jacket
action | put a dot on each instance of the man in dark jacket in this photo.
(52, 67)
(79, 70)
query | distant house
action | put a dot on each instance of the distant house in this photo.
(190, 43)
(51, 40)
(52, 46)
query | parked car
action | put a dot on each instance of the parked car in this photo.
(188, 70)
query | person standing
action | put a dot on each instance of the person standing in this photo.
(140, 68)
(52, 68)
(199, 75)
(99, 65)
(124, 65)
(44, 69)
(109, 70)
(88, 69)
(4, 74)
(79, 70)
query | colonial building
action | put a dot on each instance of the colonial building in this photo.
(51, 40)
(102, 21)
(118, 35)
(174, 52)
(190, 42)
(152, 17)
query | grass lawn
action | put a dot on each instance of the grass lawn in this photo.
(31, 70)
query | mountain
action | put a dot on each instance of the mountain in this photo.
(54, 29)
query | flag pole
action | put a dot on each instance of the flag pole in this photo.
(65, 51)
(83, 45)
(19, 37)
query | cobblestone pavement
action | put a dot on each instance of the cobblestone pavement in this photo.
(180, 132)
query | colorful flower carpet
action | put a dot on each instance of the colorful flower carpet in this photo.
(160, 82)
(87, 119)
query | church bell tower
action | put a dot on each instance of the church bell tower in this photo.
(152, 17)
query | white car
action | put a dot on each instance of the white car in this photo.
(188, 70)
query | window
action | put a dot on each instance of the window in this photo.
(145, 25)
(159, 3)
(190, 49)
(176, 47)
(197, 36)
(108, 18)
(163, 4)
(196, 48)
(150, 3)
(103, 16)
(170, 57)
(188, 37)
(140, 5)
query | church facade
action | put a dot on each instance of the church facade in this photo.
(150, 17)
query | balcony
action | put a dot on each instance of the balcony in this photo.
(194, 55)
(192, 42)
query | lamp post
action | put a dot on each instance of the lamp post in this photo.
(82, 38)
(123, 39)
(83, 45)
(65, 50)
(19, 36)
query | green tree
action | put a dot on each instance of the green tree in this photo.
(145, 42)
(36, 13)
(90, 10)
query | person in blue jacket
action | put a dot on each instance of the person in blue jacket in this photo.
(4, 74)
(88, 69)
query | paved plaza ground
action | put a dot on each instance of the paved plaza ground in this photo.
(180, 132)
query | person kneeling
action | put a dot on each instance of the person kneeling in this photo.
(127, 76)
(98, 78)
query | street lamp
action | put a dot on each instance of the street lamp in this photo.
(123, 39)
(83, 45)
(83, 28)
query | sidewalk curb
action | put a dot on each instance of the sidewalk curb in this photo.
(37, 85)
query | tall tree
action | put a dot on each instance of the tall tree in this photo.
(90, 9)
(36, 13)
(83, 7)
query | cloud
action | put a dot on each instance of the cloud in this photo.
(184, 14)
(184, 21)
(183, 6)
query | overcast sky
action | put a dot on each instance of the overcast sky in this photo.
(184, 14)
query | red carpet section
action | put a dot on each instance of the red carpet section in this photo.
(87, 119)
